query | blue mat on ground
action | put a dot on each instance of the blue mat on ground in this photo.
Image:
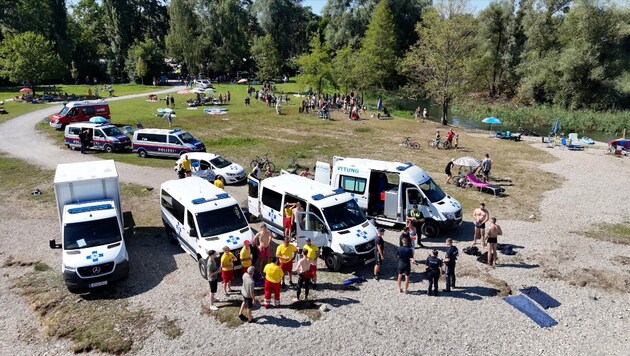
(530, 309)
(545, 300)
(354, 280)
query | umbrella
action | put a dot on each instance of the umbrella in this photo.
(183, 91)
(467, 162)
(209, 91)
(556, 126)
(241, 81)
(26, 90)
(98, 120)
(492, 121)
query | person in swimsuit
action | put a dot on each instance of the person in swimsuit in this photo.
(447, 170)
(480, 217)
(263, 241)
(491, 239)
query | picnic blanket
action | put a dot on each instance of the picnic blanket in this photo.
(545, 300)
(527, 307)
(354, 280)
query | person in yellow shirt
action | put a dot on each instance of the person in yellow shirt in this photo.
(285, 254)
(288, 219)
(219, 183)
(246, 255)
(227, 269)
(273, 277)
(187, 165)
(312, 252)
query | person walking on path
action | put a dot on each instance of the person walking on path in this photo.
(451, 256)
(262, 240)
(434, 266)
(247, 291)
(379, 253)
(83, 138)
(227, 269)
(312, 252)
(494, 231)
(305, 274)
(417, 219)
(405, 258)
(213, 271)
(447, 170)
(480, 217)
(285, 254)
(486, 166)
(273, 277)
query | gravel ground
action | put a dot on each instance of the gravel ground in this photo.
(371, 318)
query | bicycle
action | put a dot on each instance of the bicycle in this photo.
(265, 164)
(408, 143)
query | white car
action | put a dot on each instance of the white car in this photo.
(203, 83)
(223, 168)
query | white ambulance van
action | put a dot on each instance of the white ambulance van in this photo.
(388, 190)
(331, 217)
(202, 217)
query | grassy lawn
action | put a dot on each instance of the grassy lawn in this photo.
(18, 108)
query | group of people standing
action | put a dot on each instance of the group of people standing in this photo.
(489, 236)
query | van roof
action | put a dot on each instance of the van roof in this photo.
(415, 173)
(74, 104)
(197, 194)
(71, 172)
(89, 124)
(160, 131)
(307, 189)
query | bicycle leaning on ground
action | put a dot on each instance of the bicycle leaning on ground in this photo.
(408, 143)
(264, 163)
(440, 144)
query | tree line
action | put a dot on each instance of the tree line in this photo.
(570, 53)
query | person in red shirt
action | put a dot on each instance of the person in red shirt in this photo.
(449, 137)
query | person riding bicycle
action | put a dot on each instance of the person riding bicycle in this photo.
(437, 138)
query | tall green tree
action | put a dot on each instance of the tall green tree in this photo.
(118, 26)
(378, 49)
(29, 57)
(90, 42)
(267, 58)
(182, 40)
(316, 66)
(439, 64)
(494, 23)
(344, 65)
(145, 60)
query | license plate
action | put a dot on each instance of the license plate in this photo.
(370, 260)
(97, 284)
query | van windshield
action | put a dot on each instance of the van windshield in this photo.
(64, 110)
(216, 222)
(220, 162)
(432, 191)
(344, 215)
(187, 138)
(112, 131)
(91, 233)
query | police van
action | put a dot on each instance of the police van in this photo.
(200, 217)
(79, 111)
(388, 190)
(102, 137)
(331, 217)
(165, 143)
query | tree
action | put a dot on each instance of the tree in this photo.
(343, 68)
(316, 66)
(378, 49)
(494, 21)
(267, 58)
(182, 39)
(119, 20)
(144, 60)
(439, 63)
(85, 26)
(29, 57)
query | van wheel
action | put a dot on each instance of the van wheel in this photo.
(142, 153)
(430, 229)
(108, 149)
(333, 262)
(202, 268)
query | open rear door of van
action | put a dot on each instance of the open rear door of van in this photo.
(322, 172)
(252, 196)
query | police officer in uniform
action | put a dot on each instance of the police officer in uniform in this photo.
(434, 269)
(449, 261)
(416, 217)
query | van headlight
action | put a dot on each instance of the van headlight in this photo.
(69, 269)
(346, 248)
(449, 216)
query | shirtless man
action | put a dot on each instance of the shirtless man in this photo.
(263, 241)
(296, 208)
(480, 216)
(491, 238)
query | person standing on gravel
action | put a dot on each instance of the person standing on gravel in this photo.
(263, 240)
(417, 219)
(379, 253)
(480, 217)
(273, 277)
(312, 252)
(451, 256)
(491, 238)
(434, 267)
(405, 258)
(247, 291)
(285, 253)
(246, 256)
(227, 269)
(305, 274)
(212, 273)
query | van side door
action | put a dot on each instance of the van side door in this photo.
(253, 185)
(190, 227)
(413, 196)
(309, 225)
(98, 139)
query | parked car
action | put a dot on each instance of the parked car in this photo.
(203, 83)
(222, 167)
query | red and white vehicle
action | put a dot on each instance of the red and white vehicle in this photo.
(80, 111)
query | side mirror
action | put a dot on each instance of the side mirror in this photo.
(53, 244)
(323, 229)
(424, 201)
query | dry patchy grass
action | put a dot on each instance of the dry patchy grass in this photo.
(170, 328)
(227, 313)
(615, 233)
(106, 325)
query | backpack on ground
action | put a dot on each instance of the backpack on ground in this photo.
(483, 258)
